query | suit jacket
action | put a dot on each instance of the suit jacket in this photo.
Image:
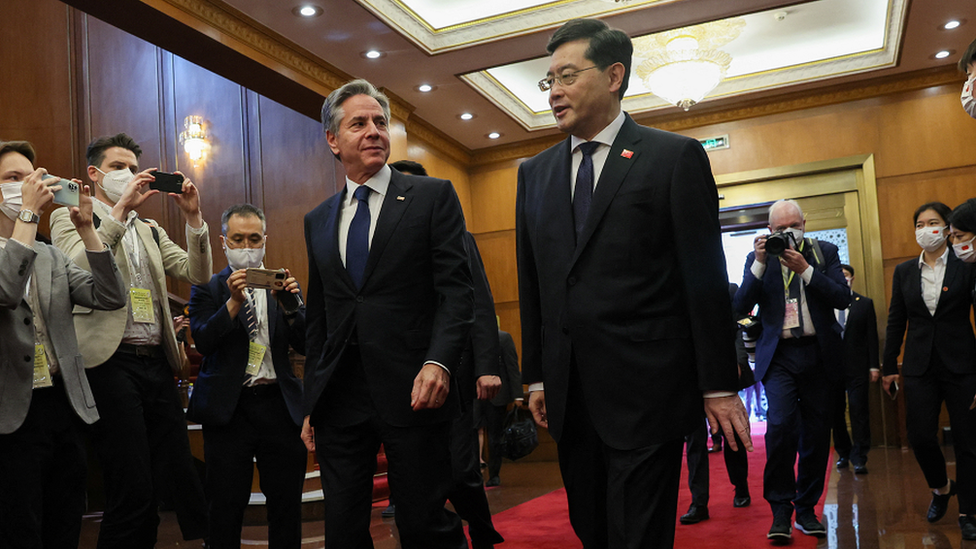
(415, 304)
(827, 290)
(860, 337)
(480, 356)
(100, 332)
(59, 284)
(948, 333)
(641, 300)
(224, 344)
(509, 371)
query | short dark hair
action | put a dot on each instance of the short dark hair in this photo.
(97, 148)
(607, 45)
(968, 58)
(963, 217)
(243, 210)
(409, 167)
(940, 208)
(848, 268)
(20, 147)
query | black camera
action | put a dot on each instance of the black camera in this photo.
(751, 330)
(779, 241)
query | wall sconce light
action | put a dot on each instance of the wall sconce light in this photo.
(194, 139)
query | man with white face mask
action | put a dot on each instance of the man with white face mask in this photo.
(132, 353)
(247, 396)
(799, 358)
(967, 64)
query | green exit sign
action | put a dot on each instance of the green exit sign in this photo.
(713, 143)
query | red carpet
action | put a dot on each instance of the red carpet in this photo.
(543, 523)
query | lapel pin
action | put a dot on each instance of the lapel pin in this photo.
(945, 288)
(400, 198)
(626, 153)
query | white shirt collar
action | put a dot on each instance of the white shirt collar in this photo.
(944, 258)
(606, 135)
(379, 184)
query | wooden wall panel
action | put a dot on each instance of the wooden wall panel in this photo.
(493, 190)
(498, 253)
(442, 166)
(297, 173)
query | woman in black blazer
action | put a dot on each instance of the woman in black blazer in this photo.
(932, 295)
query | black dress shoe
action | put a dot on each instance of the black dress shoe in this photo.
(389, 511)
(493, 481)
(937, 509)
(781, 530)
(842, 463)
(860, 469)
(743, 501)
(695, 514)
(968, 526)
(809, 525)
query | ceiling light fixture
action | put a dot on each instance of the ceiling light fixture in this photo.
(372, 54)
(494, 135)
(465, 116)
(424, 88)
(951, 25)
(682, 65)
(307, 10)
(943, 54)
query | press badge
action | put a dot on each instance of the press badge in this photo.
(791, 319)
(140, 301)
(255, 356)
(42, 373)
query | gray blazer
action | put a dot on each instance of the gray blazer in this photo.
(60, 285)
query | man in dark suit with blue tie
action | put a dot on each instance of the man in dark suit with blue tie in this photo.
(390, 305)
(799, 358)
(623, 295)
(247, 396)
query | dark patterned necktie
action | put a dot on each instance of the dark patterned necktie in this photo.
(583, 194)
(250, 319)
(357, 241)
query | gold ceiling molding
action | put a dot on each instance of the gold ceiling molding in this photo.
(841, 93)
(243, 34)
(416, 127)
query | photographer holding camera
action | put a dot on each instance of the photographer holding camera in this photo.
(797, 283)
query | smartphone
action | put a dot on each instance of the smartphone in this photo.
(167, 182)
(69, 193)
(266, 279)
(290, 302)
(893, 390)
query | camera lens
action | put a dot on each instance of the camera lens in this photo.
(776, 244)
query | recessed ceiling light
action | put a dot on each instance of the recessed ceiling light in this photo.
(372, 54)
(466, 116)
(424, 88)
(307, 10)
(943, 54)
(951, 25)
(494, 135)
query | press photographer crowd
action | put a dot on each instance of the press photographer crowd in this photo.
(632, 341)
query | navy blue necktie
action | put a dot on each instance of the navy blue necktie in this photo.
(357, 241)
(583, 194)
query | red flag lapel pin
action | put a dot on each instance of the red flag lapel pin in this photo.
(626, 153)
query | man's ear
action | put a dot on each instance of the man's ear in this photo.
(616, 73)
(333, 142)
(93, 174)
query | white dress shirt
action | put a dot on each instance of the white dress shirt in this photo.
(932, 278)
(379, 184)
(605, 139)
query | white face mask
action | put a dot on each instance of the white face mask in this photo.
(244, 258)
(797, 235)
(114, 183)
(968, 101)
(965, 251)
(13, 199)
(930, 238)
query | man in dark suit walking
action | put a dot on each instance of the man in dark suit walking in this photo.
(859, 328)
(247, 396)
(493, 412)
(623, 296)
(798, 358)
(389, 310)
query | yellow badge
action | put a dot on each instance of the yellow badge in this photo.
(255, 356)
(42, 374)
(140, 300)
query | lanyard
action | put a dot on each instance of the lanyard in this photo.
(788, 281)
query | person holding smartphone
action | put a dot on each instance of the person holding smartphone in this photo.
(247, 396)
(932, 297)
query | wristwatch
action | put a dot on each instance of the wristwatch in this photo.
(28, 216)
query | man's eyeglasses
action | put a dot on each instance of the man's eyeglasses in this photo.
(564, 79)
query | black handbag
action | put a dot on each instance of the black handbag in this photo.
(520, 437)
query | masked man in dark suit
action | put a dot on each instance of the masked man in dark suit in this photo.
(623, 296)
(859, 326)
(247, 396)
(799, 357)
(389, 310)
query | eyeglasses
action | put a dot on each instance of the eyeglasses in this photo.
(565, 79)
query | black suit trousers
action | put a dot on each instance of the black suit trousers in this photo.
(924, 396)
(468, 493)
(853, 394)
(617, 498)
(260, 429)
(697, 456)
(797, 426)
(42, 476)
(142, 444)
